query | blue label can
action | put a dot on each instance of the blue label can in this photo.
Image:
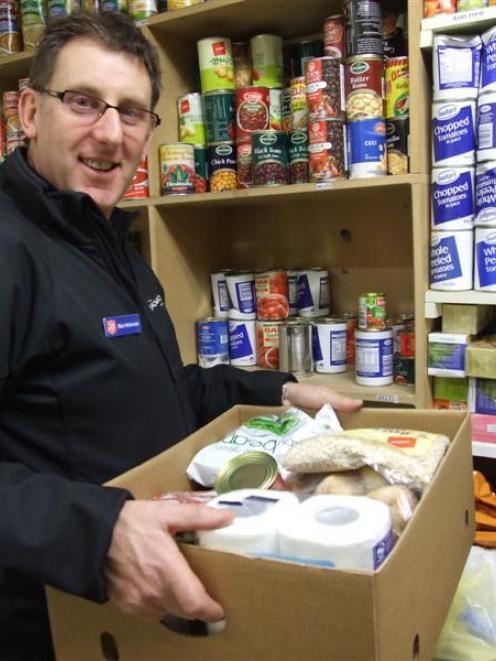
(242, 298)
(485, 259)
(452, 196)
(367, 148)
(374, 357)
(242, 342)
(485, 194)
(453, 133)
(313, 292)
(212, 339)
(488, 62)
(329, 345)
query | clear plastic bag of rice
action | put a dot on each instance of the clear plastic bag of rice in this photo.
(402, 456)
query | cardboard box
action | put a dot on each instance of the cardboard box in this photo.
(469, 319)
(483, 428)
(279, 610)
(480, 358)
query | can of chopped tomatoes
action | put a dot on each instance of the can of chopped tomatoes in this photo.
(271, 289)
(139, 185)
(268, 343)
(252, 110)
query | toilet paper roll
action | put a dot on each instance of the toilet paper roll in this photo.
(254, 529)
(353, 532)
(452, 260)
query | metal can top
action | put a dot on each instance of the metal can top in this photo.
(374, 329)
(366, 56)
(208, 320)
(330, 320)
(256, 469)
(372, 293)
(213, 92)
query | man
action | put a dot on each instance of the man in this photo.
(79, 403)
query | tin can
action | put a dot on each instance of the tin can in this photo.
(433, 7)
(298, 157)
(10, 112)
(267, 60)
(393, 35)
(367, 148)
(351, 326)
(325, 89)
(293, 290)
(313, 292)
(212, 341)
(275, 108)
(363, 27)
(397, 88)
(397, 145)
(245, 167)
(220, 295)
(177, 168)
(295, 348)
(334, 36)
(454, 133)
(10, 28)
(469, 5)
(138, 188)
(242, 342)
(191, 122)
(220, 116)
(252, 110)
(364, 85)
(270, 158)
(396, 325)
(242, 299)
(374, 357)
(140, 10)
(201, 168)
(286, 108)
(216, 64)
(242, 63)
(271, 289)
(90, 6)
(329, 345)
(404, 369)
(307, 49)
(63, 7)
(327, 149)
(174, 5)
(33, 22)
(22, 83)
(222, 167)
(14, 139)
(372, 311)
(408, 319)
(406, 340)
(251, 470)
(298, 107)
(268, 343)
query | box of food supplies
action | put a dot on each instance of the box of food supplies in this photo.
(279, 609)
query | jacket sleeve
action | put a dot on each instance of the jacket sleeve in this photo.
(213, 391)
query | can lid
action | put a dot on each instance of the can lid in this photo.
(329, 320)
(256, 470)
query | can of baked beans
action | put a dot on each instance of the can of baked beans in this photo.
(220, 116)
(372, 311)
(298, 108)
(325, 89)
(298, 157)
(275, 109)
(351, 326)
(222, 167)
(191, 122)
(313, 292)
(364, 86)
(242, 63)
(327, 149)
(271, 289)
(397, 88)
(241, 290)
(397, 147)
(252, 106)
(177, 168)
(329, 345)
(406, 340)
(367, 148)
(334, 36)
(267, 60)
(138, 187)
(270, 158)
(293, 290)
(216, 64)
(364, 27)
(245, 167)
(268, 343)
(201, 168)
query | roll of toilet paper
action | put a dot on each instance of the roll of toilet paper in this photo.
(253, 531)
(353, 532)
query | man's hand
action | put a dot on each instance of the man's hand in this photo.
(146, 573)
(306, 395)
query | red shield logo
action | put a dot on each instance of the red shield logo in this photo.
(111, 326)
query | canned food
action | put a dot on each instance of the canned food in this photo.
(404, 369)
(10, 28)
(220, 116)
(212, 341)
(2, 142)
(304, 50)
(313, 292)
(252, 110)
(275, 109)
(433, 7)
(295, 348)
(216, 64)
(351, 326)
(367, 148)
(177, 168)
(397, 139)
(364, 84)
(406, 340)
(251, 470)
(271, 288)
(242, 63)
(293, 290)
(298, 157)
(324, 81)
(62, 7)
(334, 36)
(286, 108)
(173, 5)
(397, 88)
(138, 188)
(222, 167)
(374, 357)
(140, 10)
(220, 295)
(242, 342)
(33, 22)
(327, 150)
(372, 311)
(298, 108)
(329, 345)
(201, 168)
(22, 83)
(191, 122)
(10, 112)
(408, 318)
(244, 152)
(394, 35)
(363, 27)
(14, 139)
(396, 325)
(268, 344)
(270, 158)
(242, 299)
(267, 60)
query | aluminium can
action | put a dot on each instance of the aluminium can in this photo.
(453, 133)
(173, 5)
(293, 290)
(397, 145)
(33, 21)
(364, 27)
(351, 320)
(397, 80)
(334, 36)
(286, 108)
(367, 148)
(298, 157)
(374, 357)
(140, 10)
(271, 291)
(244, 151)
(62, 7)
(304, 50)
(222, 167)
(364, 87)
(486, 122)
(242, 342)
(242, 63)
(267, 60)
(191, 121)
(393, 35)
(406, 340)
(22, 83)
(212, 341)
(216, 64)
(14, 139)
(220, 295)
(252, 106)
(241, 290)
(325, 88)
(138, 188)
(298, 105)
(396, 325)
(275, 108)
(201, 168)
(372, 311)
(295, 348)
(327, 149)
(434, 7)
(10, 28)
(404, 369)
(220, 116)
(485, 194)
(251, 470)
(270, 158)
(177, 168)
(329, 345)
(268, 343)
(313, 292)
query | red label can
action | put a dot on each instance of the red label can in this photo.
(351, 326)
(245, 167)
(271, 290)
(334, 36)
(327, 149)
(139, 185)
(324, 81)
(406, 343)
(252, 110)
(268, 344)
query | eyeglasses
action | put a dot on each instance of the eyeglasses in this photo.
(91, 108)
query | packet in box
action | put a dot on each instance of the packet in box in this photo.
(446, 354)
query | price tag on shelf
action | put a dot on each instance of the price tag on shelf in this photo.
(466, 17)
(323, 185)
(394, 399)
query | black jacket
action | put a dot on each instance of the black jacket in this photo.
(78, 407)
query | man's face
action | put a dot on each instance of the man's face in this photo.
(100, 157)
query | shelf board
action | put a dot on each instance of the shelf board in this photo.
(484, 449)
(287, 194)
(475, 21)
(16, 66)
(470, 297)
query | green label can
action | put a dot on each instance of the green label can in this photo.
(216, 64)
(404, 369)
(220, 116)
(63, 7)
(33, 22)
(298, 157)
(270, 158)
(190, 118)
(372, 311)
(222, 167)
(201, 168)
(140, 10)
(10, 28)
(267, 60)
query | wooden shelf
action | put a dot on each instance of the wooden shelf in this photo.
(15, 66)
(433, 300)
(464, 22)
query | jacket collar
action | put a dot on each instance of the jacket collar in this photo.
(72, 214)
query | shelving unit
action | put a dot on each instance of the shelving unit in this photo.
(475, 21)
(434, 300)
(372, 234)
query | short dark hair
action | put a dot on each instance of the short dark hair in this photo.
(113, 30)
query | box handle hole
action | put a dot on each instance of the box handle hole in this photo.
(192, 627)
(467, 518)
(416, 648)
(109, 647)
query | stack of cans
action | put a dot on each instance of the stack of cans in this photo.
(12, 134)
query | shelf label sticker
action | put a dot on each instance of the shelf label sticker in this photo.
(382, 397)
(467, 16)
(323, 185)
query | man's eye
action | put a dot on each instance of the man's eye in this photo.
(130, 113)
(84, 102)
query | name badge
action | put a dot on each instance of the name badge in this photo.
(124, 324)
